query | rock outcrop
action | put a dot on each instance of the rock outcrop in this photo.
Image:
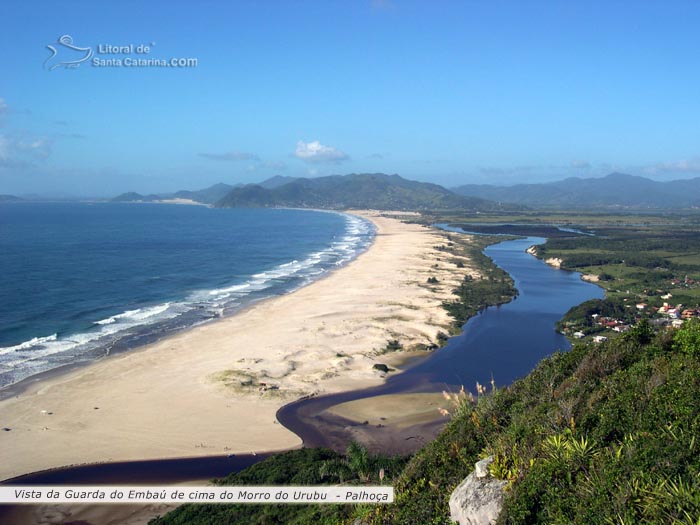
(554, 262)
(478, 499)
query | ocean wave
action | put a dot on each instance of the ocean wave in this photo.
(42, 353)
(43, 347)
(35, 341)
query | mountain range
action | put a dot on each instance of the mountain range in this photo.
(616, 190)
(206, 196)
(364, 190)
(380, 191)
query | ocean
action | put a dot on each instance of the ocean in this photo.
(79, 281)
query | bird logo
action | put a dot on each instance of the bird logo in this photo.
(71, 56)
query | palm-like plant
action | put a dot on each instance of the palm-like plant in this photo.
(357, 464)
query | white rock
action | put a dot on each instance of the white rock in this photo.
(482, 467)
(478, 499)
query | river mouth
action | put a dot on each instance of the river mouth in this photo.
(501, 343)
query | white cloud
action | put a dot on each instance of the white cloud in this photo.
(690, 166)
(15, 151)
(230, 155)
(39, 148)
(316, 152)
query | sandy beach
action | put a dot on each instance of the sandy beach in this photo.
(215, 389)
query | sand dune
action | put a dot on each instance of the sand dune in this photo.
(215, 389)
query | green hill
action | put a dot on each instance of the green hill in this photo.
(616, 190)
(375, 191)
(208, 195)
(602, 434)
(132, 196)
(9, 198)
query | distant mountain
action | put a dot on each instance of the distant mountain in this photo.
(9, 198)
(277, 181)
(616, 190)
(366, 190)
(132, 196)
(208, 195)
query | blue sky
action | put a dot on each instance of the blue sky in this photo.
(447, 92)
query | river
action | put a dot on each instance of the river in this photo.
(502, 343)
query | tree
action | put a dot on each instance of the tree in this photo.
(687, 338)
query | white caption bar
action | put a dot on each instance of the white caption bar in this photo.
(170, 494)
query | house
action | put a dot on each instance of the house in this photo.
(579, 335)
(688, 313)
(677, 323)
(641, 306)
(599, 339)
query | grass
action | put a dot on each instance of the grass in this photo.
(603, 434)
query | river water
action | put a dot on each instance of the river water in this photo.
(502, 342)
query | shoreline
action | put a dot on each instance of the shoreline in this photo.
(168, 400)
(17, 388)
(208, 303)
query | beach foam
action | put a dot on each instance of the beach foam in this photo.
(40, 354)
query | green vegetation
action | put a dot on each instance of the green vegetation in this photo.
(576, 218)
(298, 467)
(526, 230)
(493, 286)
(647, 265)
(392, 345)
(687, 340)
(603, 434)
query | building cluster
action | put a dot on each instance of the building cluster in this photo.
(665, 315)
(678, 312)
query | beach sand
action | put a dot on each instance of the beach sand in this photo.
(395, 410)
(215, 389)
